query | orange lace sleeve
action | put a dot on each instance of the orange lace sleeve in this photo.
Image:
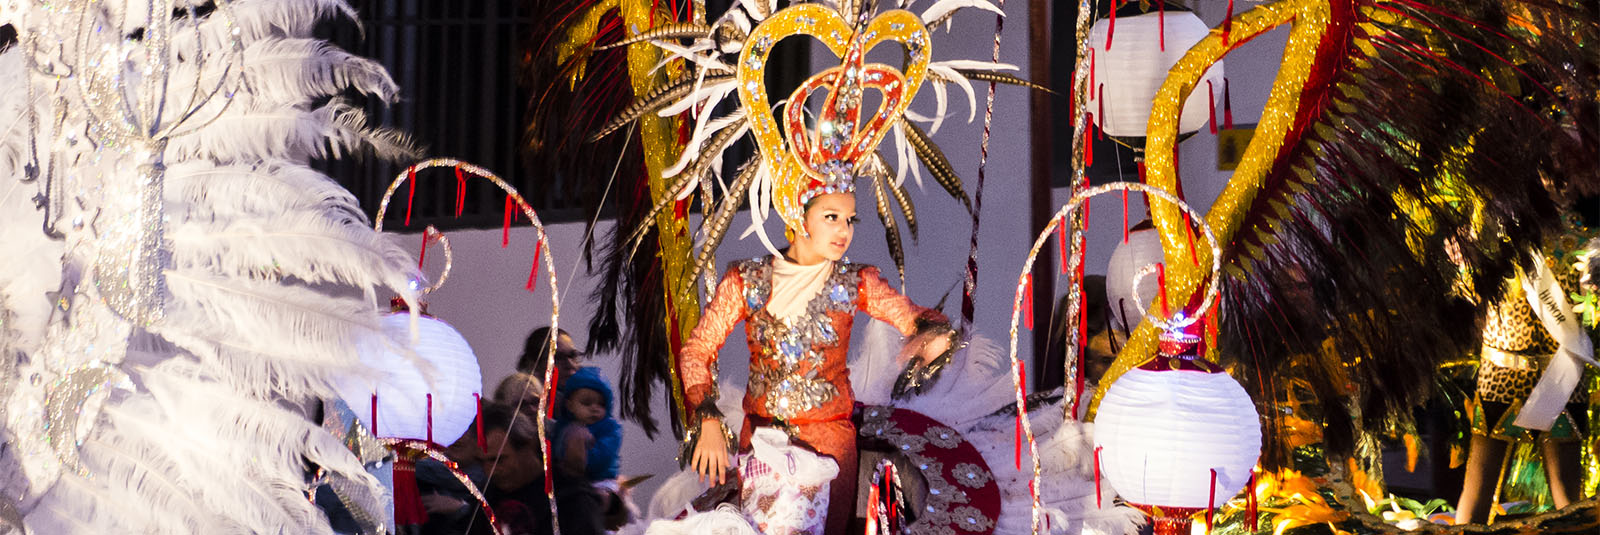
(697, 363)
(879, 300)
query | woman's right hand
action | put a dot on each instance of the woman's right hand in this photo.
(711, 453)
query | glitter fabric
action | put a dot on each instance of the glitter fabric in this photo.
(1310, 20)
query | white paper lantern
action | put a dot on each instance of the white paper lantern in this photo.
(403, 391)
(1128, 74)
(1142, 248)
(1163, 432)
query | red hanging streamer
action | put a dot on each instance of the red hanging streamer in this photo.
(411, 191)
(1097, 503)
(533, 273)
(1091, 70)
(477, 400)
(1227, 105)
(505, 223)
(1027, 300)
(1022, 411)
(1211, 106)
(374, 414)
(429, 417)
(461, 191)
(1088, 144)
(423, 255)
(1227, 24)
(1211, 503)
(1161, 285)
(1125, 207)
(1112, 30)
(1061, 241)
(1100, 90)
(1250, 502)
(1161, 23)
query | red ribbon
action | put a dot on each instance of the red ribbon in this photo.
(1061, 241)
(461, 191)
(1022, 412)
(1211, 503)
(423, 255)
(1027, 300)
(1113, 29)
(1211, 105)
(477, 400)
(1088, 144)
(1097, 503)
(1125, 205)
(505, 224)
(533, 273)
(374, 414)
(1161, 285)
(1161, 23)
(411, 191)
(1099, 133)
(429, 417)
(1227, 24)
(1250, 501)
(1227, 105)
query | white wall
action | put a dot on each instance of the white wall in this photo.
(485, 299)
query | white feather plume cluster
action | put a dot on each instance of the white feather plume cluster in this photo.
(194, 422)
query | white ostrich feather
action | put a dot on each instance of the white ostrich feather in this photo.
(312, 246)
(704, 131)
(945, 7)
(330, 131)
(259, 19)
(296, 71)
(262, 189)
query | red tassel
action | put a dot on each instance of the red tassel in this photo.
(1227, 105)
(429, 417)
(550, 401)
(1088, 144)
(1061, 240)
(1161, 286)
(374, 414)
(1027, 300)
(1161, 23)
(1100, 90)
(1097, 503)
(1112, 30)
(1227, 24)
(477, 400)
(1250, 502)
(1125, 207)
(1091, 69)
(505, 223)
(461, 191)
(549, 480)
(1016, 456)
(533, 273)
(423, 256)
(411, 191)
(1211, 503)
(1211, 106)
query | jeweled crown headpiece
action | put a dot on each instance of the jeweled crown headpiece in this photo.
(798, 162)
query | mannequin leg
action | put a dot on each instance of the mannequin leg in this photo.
(1562, 468)
(1483, 468)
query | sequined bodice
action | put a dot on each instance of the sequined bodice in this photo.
(789, 356)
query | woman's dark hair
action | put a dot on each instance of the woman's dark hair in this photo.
(533, 351)
(521, 431)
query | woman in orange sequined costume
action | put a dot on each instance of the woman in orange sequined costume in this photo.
(798, 310)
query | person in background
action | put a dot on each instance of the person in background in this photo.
(536, 347)
(514, 480)
(521, 391)
(585, 454)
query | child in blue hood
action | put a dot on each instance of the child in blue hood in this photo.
(586, 451)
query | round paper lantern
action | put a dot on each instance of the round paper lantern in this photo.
(1177, 435)
(403, 392)
(1143, 248)
(1127, 75)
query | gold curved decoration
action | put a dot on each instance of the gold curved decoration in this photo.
(1309, 21)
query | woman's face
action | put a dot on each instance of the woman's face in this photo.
(831, 222)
